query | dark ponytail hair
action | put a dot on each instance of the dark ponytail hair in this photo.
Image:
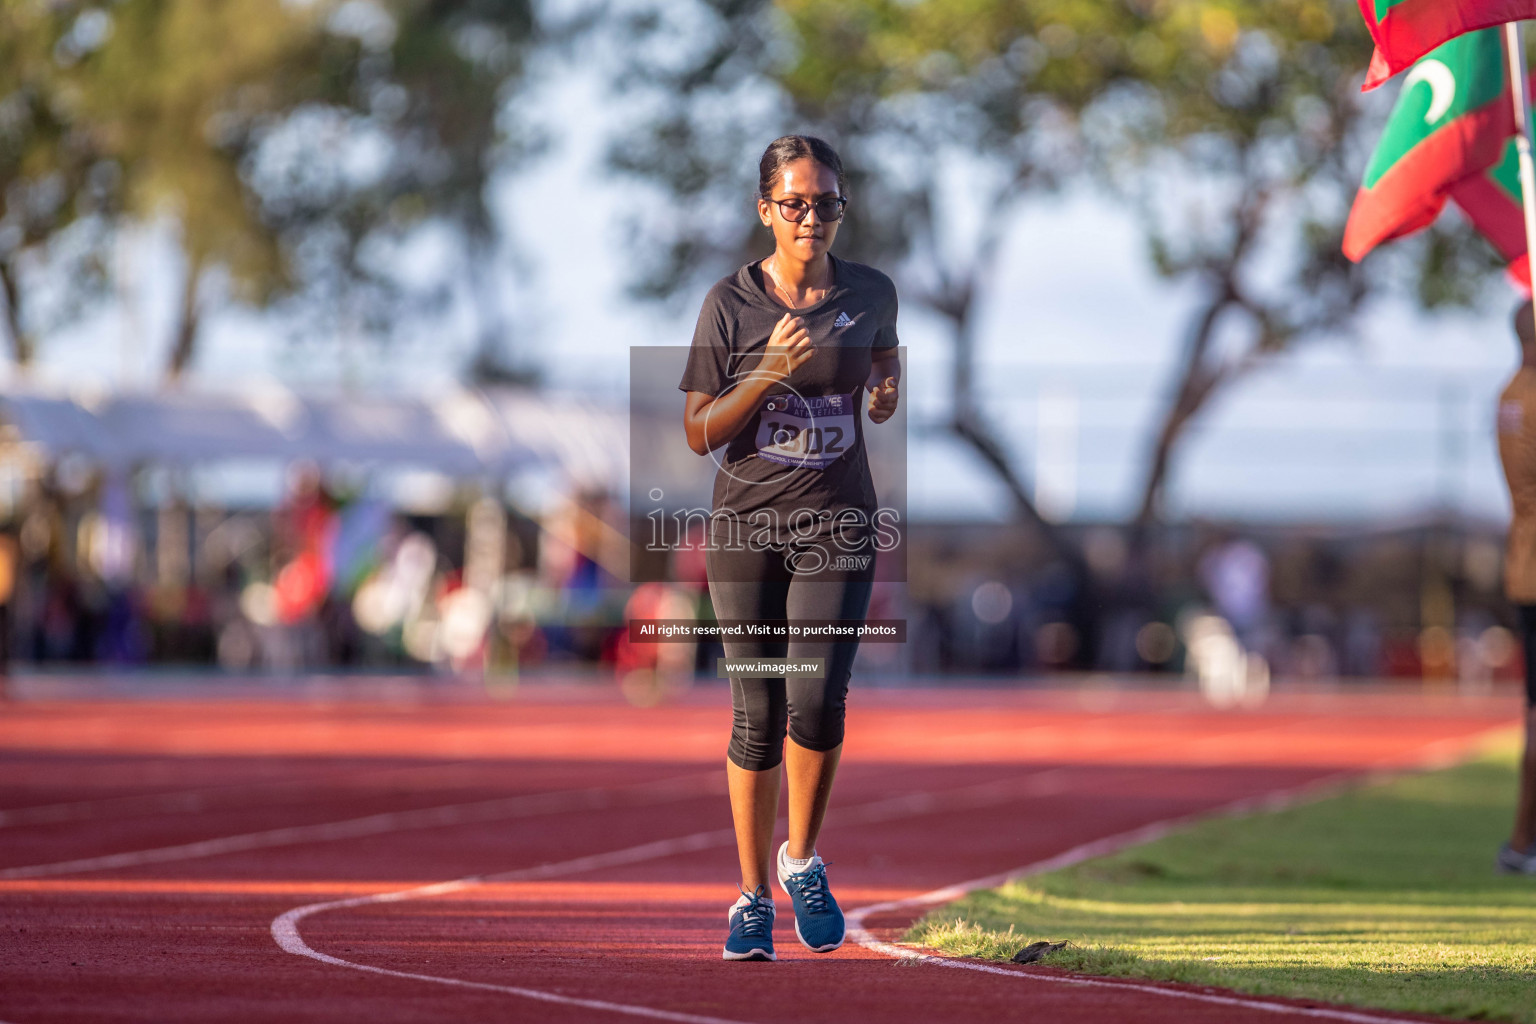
(790, 148)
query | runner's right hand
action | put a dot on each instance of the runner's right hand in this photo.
(788, 347)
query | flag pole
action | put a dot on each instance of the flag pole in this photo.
(1520, 90)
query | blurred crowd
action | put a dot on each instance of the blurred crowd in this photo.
(91, 573)
(1233, 607)
(324, 580)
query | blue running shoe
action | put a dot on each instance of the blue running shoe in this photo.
(1512, 862)
(751, 920)
(818, 919)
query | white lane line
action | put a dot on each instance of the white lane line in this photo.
(595, 798)
(287, 935)
(202, 798)
(285, 927)
(1440, 754)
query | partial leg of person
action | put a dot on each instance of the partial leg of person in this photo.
(810, 790)
(838, 593)
(5, 651)
(1519, 855)
(750, 585)
(1523, 837)
(818, 706)
(754, 808)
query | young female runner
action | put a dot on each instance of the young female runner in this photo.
(783, 350)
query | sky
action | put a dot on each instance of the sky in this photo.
(1078, 339)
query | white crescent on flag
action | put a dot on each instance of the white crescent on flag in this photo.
(1442, 86)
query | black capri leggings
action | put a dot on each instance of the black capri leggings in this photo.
(750, 584)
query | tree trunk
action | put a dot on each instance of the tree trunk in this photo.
(967, 422)
(185, 344)
(969, 428)
(968, 425)
(1197, 382)
(21, 343)
(955, 301)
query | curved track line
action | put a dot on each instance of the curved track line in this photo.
(499, 809)
(285, 927)
(1437, 755)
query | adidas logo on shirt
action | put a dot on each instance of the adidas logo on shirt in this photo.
(843, 320)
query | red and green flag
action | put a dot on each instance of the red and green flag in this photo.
(1452, 120)
(1405, 30)
(1491, 201)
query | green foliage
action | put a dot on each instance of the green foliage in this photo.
(1454, 264)
(430, 88)
(282, 137)
(171, 95)
(52, 177)
(1233, 130)
(1384, 896)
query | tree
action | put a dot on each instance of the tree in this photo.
(437, 82)
(1239, 143)
(754, 71)
(289, 142)
(1232, 130)
(53, 177)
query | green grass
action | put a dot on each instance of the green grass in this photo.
(1384, 897)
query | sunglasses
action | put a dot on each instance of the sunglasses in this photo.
(829, 209)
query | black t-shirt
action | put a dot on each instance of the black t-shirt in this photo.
(804, 447)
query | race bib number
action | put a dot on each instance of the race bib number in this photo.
(812, 432)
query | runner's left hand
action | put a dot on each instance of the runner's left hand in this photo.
(883, 397)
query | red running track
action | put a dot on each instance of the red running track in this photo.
(157, 856)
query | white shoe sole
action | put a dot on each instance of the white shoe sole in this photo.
(755, 954)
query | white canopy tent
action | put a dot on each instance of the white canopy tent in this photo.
(468, 433)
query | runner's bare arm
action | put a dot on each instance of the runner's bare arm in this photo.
(883, 384)
(711, 421)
